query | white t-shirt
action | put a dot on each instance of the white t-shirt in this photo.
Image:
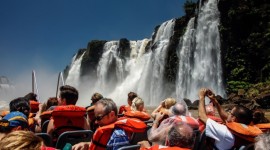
(224, 139)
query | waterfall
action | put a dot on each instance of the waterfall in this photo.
(157, 66)
(145, 74)
(185, 59)
(73, 77)
(143, 70)
(134, 67)
(105, 81)
(204, 68)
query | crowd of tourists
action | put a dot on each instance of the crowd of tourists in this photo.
(169, 126)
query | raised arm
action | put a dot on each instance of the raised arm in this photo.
(222, 113)
(202, 113)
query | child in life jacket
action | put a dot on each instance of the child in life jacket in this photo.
(137, 110)
(124, 108)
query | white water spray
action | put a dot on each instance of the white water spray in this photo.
(204, 68)
(73, 77)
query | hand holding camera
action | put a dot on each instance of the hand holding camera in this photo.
(210, 95)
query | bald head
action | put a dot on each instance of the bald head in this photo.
(178, 109)
(181, 135)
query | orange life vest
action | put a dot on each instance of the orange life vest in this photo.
(34, 106)
(101, 137)
(188, 120)
(31, 122)
(46, 115)
(244, 134)
(69, 117)
(263, 126)
(202, 125)
(124, 108)
(157, 147)
(103, 134)
(137, 114)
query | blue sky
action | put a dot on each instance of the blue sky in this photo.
(37, 34)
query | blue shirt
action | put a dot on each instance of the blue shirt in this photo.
(118, 139)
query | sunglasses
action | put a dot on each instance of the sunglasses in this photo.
(98, 118)
(231, 113)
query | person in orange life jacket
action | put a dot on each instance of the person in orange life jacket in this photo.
(34, 108)
(106, 115)
(44, 112)
(260, 121)
(68, 96)
(32, 98)
(180, 137)
(13, 121)
(137, 110)
(177, 113)
(90, 111)
(21, 104)
(164, 107)
(124, 108)
(258, 117)
(223, 136)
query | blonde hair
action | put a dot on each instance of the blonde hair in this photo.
(21, 140)
(169, 102)
(136, 103)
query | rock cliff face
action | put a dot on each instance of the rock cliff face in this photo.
(245, 46)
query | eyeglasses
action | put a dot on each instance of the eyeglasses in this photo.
(98, 118)
(231, 113)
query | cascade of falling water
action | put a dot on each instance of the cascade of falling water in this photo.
(206, 70)
(134, 67)
(146, 72)
(73, 77)
(199, 62)
(104, 82)
(157, 66)
(185, 56)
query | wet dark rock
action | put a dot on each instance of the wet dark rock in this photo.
(263, 100)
